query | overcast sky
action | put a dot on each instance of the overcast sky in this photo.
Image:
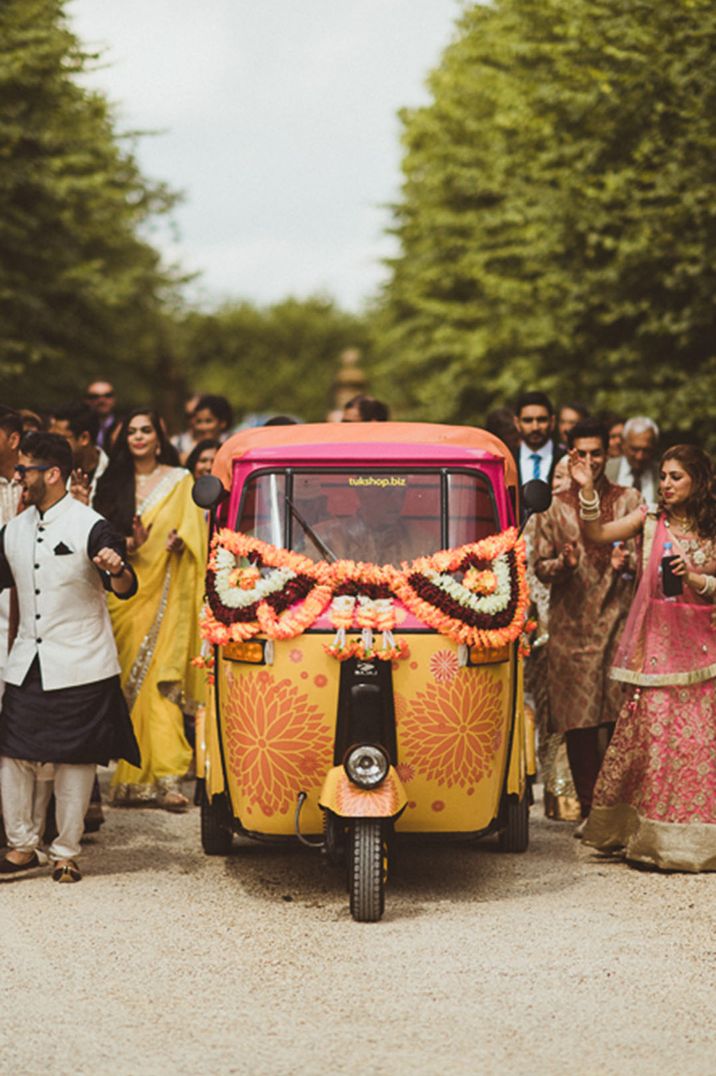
(278, 122)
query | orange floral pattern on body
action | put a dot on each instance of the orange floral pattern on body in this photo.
(452, 732)
(276, 740)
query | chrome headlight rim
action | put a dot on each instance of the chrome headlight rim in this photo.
(368, 777)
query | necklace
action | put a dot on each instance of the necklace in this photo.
(141, 480)
(681, 522)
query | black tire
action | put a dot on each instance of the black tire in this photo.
(515, 837)
(216, 835)
(368, 869)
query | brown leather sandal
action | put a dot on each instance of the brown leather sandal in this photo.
(174, 801)
(67, 872)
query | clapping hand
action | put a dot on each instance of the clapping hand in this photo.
(569, 554)
(140, 533)
(80, 485)
(174, 543)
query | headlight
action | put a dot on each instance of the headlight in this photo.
(366, 765)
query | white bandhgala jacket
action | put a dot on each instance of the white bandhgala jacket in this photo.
(64, 619)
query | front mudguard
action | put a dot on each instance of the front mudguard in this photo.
(346, 800)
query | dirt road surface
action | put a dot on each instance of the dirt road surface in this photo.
(165, 961)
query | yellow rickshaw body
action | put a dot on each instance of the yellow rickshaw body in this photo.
(270, 732)
(456, 744)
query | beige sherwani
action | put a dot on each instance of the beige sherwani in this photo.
(588, 607)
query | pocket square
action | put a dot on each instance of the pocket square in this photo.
(61, 550)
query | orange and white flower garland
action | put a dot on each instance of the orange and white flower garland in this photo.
(255, 587)
(456, 595)
(476, 594)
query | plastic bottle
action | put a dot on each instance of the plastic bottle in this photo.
(671, 584)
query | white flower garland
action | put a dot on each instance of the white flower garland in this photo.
(233, 597)
(487, 603)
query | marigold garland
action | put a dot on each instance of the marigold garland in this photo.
(525, 644)
(476, 594)
(202, 661)
(427, 588)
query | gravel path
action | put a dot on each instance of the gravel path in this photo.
(165, 961)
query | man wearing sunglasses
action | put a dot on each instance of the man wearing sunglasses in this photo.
(101, 398)
(63, 711)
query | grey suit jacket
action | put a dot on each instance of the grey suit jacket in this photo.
(614, 466)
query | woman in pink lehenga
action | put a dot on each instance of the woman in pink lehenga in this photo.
(655, 798)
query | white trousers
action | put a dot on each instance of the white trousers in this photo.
(26, 792)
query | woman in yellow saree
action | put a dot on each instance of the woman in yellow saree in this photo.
(150, 500)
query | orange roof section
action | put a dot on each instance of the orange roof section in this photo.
(355, 433)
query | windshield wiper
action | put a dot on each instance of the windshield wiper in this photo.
(308, 529)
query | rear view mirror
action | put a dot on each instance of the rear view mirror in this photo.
(209, 490)
(536, 496)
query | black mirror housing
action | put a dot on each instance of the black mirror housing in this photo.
(536, 496)
(208, 491)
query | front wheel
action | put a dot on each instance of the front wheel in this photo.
(515, 837)
(216, 835)
(368, 869)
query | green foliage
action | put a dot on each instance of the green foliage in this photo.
(81, 290)
(279, 359)
(557, 224)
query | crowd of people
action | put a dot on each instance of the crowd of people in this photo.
(102, 557)
(623, 565)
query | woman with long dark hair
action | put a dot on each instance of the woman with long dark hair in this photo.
(655, 798)
(148, 498)
(201, 458)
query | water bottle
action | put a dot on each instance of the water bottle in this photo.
(671, 584)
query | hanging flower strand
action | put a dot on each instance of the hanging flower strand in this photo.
(475, 594)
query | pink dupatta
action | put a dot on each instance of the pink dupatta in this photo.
(666, 641)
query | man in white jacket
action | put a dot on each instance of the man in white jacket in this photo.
(63, 710)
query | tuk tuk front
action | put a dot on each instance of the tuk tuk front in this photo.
(366, 598)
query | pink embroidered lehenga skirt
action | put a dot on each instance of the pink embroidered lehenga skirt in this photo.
(655, 797)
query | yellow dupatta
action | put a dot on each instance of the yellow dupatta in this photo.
(157, 634)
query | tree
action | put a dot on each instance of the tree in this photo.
(558, 213)
(81, 289)
(280, 358)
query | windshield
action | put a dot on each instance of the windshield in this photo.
(375, 516)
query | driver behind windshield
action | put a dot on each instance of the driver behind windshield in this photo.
(378, 532)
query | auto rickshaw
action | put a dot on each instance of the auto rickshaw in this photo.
(365, 605)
